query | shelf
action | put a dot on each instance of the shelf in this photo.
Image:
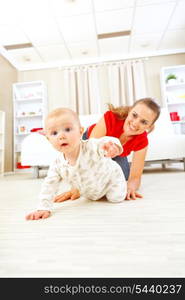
(173, 94)
(28, 99)
(30, 109)
(25, 133)
(176, 103)
(175, 85)
(28, 116)
(178, 122)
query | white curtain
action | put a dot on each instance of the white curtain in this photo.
(127, 82)
(82, 89)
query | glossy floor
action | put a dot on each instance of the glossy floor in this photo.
(142, 238)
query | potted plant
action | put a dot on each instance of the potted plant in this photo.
(171, 78)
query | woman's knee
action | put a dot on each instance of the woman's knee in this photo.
(123, 163)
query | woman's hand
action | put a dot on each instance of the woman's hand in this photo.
(39, 214)
(132, 187)
(132, 195)
(71, 195)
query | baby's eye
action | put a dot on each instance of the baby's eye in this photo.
(54, 133)
(67, 129)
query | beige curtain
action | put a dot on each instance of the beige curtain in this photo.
(82, 89)
(126, 82)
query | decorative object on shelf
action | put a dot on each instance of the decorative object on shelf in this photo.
(171, 78)
(36, 129)
(174, 116)
(22, 129)
(19, 166)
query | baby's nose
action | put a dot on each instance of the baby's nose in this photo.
(61, 135)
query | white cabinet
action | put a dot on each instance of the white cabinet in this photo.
(173, 93)
(30, 109)
(2, 141)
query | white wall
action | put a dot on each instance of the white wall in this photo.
(56, 92)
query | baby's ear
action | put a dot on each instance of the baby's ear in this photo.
(81, 130)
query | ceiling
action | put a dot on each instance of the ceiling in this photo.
(64, 32)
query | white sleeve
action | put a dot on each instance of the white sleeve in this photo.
(107, 139)
(49, 188)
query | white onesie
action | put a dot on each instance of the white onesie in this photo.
(93, 174)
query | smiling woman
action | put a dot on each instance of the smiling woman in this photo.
(131, 126)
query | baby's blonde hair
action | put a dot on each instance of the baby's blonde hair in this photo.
(60, 111)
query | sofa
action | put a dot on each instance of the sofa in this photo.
(164, 145)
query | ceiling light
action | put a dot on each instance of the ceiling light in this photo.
(113, 34)
(18, 46)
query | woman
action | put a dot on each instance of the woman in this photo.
(130, 125)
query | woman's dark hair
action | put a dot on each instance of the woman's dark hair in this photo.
(122, 111)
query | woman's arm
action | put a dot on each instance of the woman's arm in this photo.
(99, 130)
(136, 171)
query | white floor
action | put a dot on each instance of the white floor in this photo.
(142, 238)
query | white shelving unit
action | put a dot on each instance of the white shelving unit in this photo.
(2, 141)
(30, 109)
(173, 94)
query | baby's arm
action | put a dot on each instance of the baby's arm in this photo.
(48, 190)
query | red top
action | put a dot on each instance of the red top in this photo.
(114, 128)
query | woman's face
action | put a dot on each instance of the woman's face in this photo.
(139, 119)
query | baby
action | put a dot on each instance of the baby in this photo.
(85, 165)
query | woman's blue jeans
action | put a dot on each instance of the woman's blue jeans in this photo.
(121, 160)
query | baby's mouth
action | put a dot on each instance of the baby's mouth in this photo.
(64, 145)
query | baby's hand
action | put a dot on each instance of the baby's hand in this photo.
(39, 214)
(111, 149)
(71, 195)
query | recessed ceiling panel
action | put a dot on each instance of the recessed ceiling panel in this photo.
(152, 18)
(178, 18)
(83, 49)
(70, 8)
(147, 42)
(11, 34)
(53, 53)
(111, 21)
(43, 33)
(77, 28)
(25, 56)
(103, 5)
(173, 39)
(114, 46)
(149, 2)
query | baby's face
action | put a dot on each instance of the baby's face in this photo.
(64, 133)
